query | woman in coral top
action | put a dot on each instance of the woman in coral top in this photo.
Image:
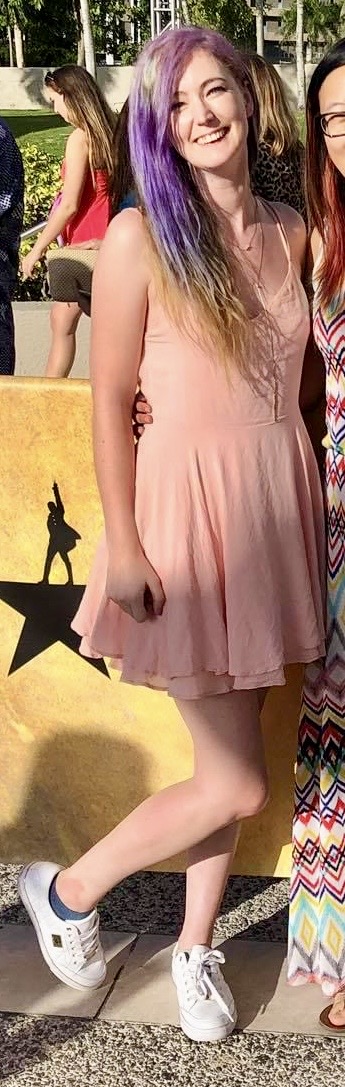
(83, 210)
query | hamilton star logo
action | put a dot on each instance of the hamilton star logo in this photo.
(48, 610)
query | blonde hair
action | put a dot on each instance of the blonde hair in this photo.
(277, 126)
(88, 110)
(195, 272)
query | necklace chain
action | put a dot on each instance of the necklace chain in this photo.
(245, 248)
(257, 270)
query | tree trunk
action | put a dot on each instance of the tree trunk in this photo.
(18, 44)
(81, 50)
(301, 96)
(85, 17)
(259, 19)
(186, 19)
(10, 46)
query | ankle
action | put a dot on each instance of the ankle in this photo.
(194, 937)
(72, 893)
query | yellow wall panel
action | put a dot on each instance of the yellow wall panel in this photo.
(78, 749)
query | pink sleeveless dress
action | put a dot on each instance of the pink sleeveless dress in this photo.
(229, 511)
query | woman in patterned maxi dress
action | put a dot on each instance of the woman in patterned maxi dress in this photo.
(317, 923)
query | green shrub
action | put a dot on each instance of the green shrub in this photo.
(42, 183)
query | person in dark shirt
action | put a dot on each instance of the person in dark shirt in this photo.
(11, 222)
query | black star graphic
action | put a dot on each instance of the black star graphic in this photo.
(48, 611)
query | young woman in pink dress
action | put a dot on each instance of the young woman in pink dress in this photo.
(82, 212)
(208, 579)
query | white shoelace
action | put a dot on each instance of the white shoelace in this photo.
(199, 981)
(83, 945)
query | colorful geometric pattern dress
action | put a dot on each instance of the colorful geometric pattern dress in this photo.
(317, 900)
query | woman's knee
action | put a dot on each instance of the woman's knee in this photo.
(64, 317)
(254, 796)
(228, 804)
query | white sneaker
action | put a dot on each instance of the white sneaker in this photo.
(71, 949)
(206, 1004)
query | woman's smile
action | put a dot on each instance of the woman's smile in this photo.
(213, 137)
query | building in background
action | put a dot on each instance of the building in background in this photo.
(276, 47)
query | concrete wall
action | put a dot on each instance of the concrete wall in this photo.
(32, 331)
(22, 89)
(289, 77)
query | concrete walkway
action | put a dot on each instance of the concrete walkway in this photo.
(32, 330)
(127, 1032)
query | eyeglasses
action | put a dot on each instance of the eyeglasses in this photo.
(332, 124)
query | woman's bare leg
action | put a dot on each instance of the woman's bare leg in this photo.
(208, 866)
(64, 320)
(229, 783)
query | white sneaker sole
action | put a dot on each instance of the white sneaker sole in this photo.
(85, 987)
(214, 1034)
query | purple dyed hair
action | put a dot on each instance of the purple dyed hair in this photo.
(165, 183)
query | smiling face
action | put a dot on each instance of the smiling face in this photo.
(332, 107)
(209, 116)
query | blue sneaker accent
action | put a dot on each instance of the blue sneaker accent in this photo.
(62, 911)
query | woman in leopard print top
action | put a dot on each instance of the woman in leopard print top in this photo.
(278, 173)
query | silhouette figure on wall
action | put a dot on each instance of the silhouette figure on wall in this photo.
(48, 609)
(63, 538)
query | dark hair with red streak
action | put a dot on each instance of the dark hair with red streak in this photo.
(325, 184)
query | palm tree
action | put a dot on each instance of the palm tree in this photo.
(18, 45)
(10, 44)
(301, 96)
(85, 19)
(259, 19)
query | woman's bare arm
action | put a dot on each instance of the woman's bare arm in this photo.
(118, 313)
(77, 165)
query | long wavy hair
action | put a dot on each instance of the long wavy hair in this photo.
(277, 125)
(123, 174)
(194, 272)
(326, 186)
(88, 110)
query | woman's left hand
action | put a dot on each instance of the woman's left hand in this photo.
(28, 262)
(142, 414)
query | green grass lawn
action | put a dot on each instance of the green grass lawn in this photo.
(38, 126)
(50, 132)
